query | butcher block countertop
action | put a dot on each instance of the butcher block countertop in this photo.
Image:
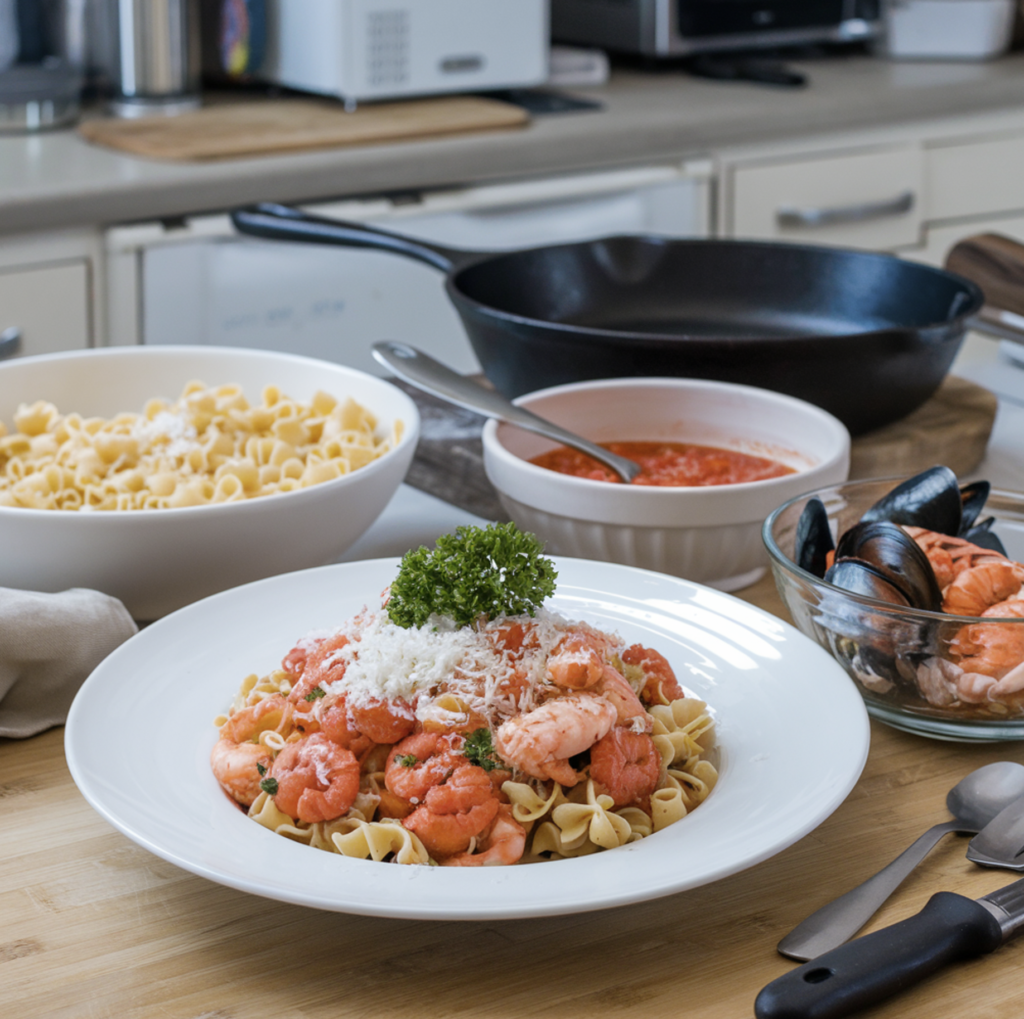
(94, 926)
(57, 180)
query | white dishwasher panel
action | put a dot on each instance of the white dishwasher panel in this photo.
(202, 283)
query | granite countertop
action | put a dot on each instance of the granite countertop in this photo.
(57, 181)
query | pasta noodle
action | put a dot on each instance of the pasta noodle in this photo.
(523, 738)
(209, 446)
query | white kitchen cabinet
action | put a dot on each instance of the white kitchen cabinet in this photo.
(201, 282)
(46, 306)
(47, 294)
(851, 197)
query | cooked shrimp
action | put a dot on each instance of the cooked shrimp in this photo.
(317, 780)
(541, 741)
(272, 714)
(238, 756)
(949, 555)
(575, 663)
(660, 683)
(627, 764)
(979, 587)
(615, 689)
(420, 762)
(454, 813)
(383, 721)
(336, 724)
(321, 665)
(236, 766)
(989, 649)
(500, 844)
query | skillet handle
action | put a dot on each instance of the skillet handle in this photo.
(283, 223)
(996, 264)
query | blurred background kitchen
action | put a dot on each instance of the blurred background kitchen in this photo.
(130, 128)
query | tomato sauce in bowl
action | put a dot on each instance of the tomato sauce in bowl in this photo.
(667, 464)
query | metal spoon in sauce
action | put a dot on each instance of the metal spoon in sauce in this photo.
(422, 371)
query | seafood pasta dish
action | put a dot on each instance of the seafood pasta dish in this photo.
(463, 724)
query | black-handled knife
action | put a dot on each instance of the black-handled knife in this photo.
(863, 972)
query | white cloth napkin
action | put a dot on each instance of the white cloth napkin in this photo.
(49, 643)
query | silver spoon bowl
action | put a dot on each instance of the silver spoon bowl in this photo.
(422, 371)
(974, 801)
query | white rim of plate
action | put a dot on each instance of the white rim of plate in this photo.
(793, 734)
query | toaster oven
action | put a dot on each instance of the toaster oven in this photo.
(667, 28)
(386, 49)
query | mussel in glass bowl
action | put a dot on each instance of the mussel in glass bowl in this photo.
(915, 586)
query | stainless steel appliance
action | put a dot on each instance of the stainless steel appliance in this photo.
(667, 28)
(42, 52)
(159, 57)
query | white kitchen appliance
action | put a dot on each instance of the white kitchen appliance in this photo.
(383, 49)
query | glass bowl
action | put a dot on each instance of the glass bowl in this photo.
(950, 677)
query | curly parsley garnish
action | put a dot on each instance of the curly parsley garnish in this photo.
(261, 768)
(269, 786)
(408, 760)
(479, 749)
(477, 571)
(315, 693)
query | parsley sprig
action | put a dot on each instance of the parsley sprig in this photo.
(477, 571)
(479, 749)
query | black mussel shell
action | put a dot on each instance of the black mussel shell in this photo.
(813, 538)
(859, 577)
(897, 557)
(972, 500)
(930, 500)
(981, 534)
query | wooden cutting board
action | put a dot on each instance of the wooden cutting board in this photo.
(267, 127)
(951, 428)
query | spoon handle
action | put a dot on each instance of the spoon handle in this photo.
(837, 922)
(424, 372)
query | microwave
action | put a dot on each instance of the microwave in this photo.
(673, 28)
(388, 49)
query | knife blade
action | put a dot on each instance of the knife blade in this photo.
(1001, 842)
(861, 973)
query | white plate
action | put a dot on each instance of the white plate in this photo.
(792, 729)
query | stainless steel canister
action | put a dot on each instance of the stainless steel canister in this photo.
(159, 57)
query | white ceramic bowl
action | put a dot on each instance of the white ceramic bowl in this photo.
(709, 534)
(156, 561)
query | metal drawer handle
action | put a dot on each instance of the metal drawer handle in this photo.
(10, 342)
(790, 216)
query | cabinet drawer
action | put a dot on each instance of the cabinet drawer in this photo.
(48, 304)
(866, 199)
(975, 179)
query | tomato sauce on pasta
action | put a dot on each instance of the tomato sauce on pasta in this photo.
(516, 739)
(667, 464)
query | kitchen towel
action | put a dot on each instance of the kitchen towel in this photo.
(49, 643)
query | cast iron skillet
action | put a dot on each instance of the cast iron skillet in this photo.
(868, 337)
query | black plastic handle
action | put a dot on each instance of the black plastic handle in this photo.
(878, 965)
(283, 223)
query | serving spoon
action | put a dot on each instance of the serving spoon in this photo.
(422, 371)
(974, 801)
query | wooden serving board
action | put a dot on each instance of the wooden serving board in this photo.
(267, 127)
(951, 428)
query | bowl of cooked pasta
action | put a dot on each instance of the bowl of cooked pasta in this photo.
(161, 475)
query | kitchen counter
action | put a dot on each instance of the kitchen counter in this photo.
(57, 181)
(94, 925)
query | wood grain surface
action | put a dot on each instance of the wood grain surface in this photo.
(232, 130)
(93, 926)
